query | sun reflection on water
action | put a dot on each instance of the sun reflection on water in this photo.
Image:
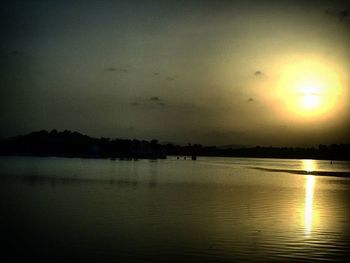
(309, 166)
(309, 196)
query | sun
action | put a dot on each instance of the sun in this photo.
(309, 88)
(310, 95)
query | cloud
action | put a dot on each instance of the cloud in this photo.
(258, 73)
(155, 98)
(150, 103)
(157, 101)
(113, 69)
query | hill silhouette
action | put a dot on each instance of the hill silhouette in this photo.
(75, 144)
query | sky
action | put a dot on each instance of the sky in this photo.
(209, 72)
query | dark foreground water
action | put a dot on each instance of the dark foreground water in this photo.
(209, 210)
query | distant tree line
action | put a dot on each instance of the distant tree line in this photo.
(326, 152)
(75, 144)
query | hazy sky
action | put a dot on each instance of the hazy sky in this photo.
(205, 72)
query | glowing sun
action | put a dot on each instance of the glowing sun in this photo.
(309, 88)
(311, 94)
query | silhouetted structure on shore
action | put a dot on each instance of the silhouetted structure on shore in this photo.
(75, 144)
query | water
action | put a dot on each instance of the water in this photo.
(209, 210)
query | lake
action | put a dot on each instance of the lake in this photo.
(174, 210)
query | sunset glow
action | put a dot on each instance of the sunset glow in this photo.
(310, 89)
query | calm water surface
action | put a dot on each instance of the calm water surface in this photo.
(209, 210)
